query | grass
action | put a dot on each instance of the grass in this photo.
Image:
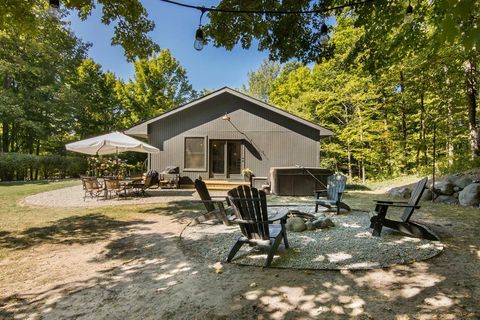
(23, 226)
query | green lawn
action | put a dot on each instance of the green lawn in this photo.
(22, 226)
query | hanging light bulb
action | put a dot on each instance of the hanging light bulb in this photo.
(199, 38)
(409, 10)
(54, 4)
(323, 28)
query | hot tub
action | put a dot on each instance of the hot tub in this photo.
(296, 181)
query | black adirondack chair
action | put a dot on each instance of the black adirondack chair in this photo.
(222, 212)
(333, 194)
(250, 206)
(406, 226)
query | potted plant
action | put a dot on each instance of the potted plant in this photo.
(248, 175)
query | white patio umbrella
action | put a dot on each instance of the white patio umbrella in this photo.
(114, 142)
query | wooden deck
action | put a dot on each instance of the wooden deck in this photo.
(218, 184)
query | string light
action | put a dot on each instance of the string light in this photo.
(199, 38)
(199, 35)
(409, 10)
(54, 4)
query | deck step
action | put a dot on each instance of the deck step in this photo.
(218, 184)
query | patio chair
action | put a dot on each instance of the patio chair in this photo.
(333, 194)
(92, 187)
(223, 212)
(151, 182)
(406, 226)
(114, 186)
(250, 206)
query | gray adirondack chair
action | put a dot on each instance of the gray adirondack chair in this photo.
(250, 206)
(222, 212)
(406, 225)
(332, 196)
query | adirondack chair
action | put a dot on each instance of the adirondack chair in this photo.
(222, 213)
(406, 226)
(334, 193)
(250, 206)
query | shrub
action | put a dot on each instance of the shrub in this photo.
(21, 166)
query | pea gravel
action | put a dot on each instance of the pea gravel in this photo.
(348, 245)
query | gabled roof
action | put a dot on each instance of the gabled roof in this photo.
(141, 129)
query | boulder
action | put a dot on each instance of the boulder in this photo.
(323, 223)
(309, 225)
(427, 195)
(444, 188)
(470, 195)
(462, 182)
(295, 224)
(401, 192)
(446, 199)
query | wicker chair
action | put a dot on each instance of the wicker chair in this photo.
(114, 186)
(92, 187)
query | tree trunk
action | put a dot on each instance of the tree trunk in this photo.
(421, 134)
(471, 95)
(349, 162)
(5, 136)
(403, 111)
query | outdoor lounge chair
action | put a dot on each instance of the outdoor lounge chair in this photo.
(222, 212)
(114, 186)
(333, 194)
(92, 187)
(250, 206)
(406, 226)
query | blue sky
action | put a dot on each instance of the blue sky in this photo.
(210, 68)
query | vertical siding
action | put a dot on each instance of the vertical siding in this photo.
(278, 140)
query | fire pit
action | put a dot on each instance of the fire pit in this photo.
(300, 221)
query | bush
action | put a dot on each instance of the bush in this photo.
(21, 166)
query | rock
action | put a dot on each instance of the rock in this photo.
(470, 196)
(323, 223)
(446, 199)
(444, 188)
(427, 195)
(309, 225)
(295, 224)
(455, 195)
(401, 192)
(456, 189)
(462, 182)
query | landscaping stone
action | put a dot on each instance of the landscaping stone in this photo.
(444, 188)
(462, 182)
(323, 223)
(446, 199)
(296, 224)
(401, 192)
(427, 195)
(470, 196)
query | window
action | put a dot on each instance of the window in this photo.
(195, 158)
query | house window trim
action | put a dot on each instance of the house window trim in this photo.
(205, 157)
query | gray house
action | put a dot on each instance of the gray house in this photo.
(226, 131)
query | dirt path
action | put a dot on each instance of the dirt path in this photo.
(141, 272)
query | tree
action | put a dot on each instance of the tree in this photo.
(160, 84)
(36, 71)
(98, 110)
(129, 17)
(259, 81)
